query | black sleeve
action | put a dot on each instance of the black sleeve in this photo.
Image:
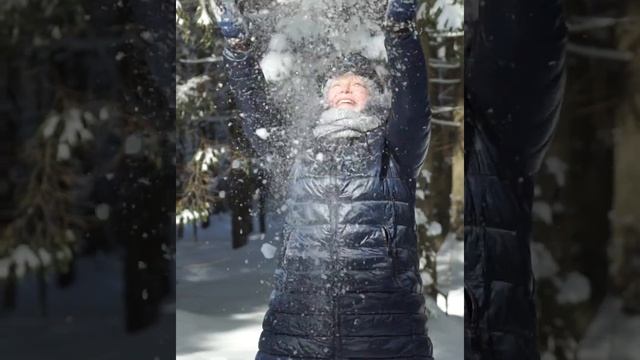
(409, 126)
(514, 77)
(261, 123)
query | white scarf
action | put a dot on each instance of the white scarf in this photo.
(344, 123)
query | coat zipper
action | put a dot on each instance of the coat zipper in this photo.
(333, 218)
(473, 319)
(387, 240)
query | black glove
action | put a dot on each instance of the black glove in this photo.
(230, 20)
(401, 11)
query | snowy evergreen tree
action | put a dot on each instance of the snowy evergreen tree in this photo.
(87, 104)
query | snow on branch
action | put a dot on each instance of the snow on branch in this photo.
(210, 59)
(600, 53)
(445, 81)
(445, 34)
(444, 109)
(579, 24)
(444, 122)
(440, 64)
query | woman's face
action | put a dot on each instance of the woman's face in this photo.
(348, 91)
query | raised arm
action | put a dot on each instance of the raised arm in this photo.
(514, 78)
(409, 127)
(262, 125)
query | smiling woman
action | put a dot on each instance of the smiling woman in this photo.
(349, 91)
(347, 282)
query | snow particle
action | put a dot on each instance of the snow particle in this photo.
(543, 263)
(262, 133)
(64, 152)
(56, 33)
(268, 250)
(146, 35)
(542, 210)
(574, 288)
(51, 123)
(426, 174)
(133, 144)
(102, 211)
(421, 218)
(558, 169)
(434, 229)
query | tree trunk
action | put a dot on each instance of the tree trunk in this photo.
(625, 221)
(572, 205)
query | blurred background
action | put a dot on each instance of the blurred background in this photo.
(586, 241)
(96, 95)
(229, 206)
(87, 108)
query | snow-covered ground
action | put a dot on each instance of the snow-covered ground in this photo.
(84, 321)
(612, 335)
(222, 295)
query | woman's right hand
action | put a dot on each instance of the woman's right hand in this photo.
(401, 11)
(230, 20)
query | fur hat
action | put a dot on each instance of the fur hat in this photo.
(357, 64)
(379, 99)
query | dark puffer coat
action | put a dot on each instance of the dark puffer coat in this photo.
(348, 285)
(514, 81)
